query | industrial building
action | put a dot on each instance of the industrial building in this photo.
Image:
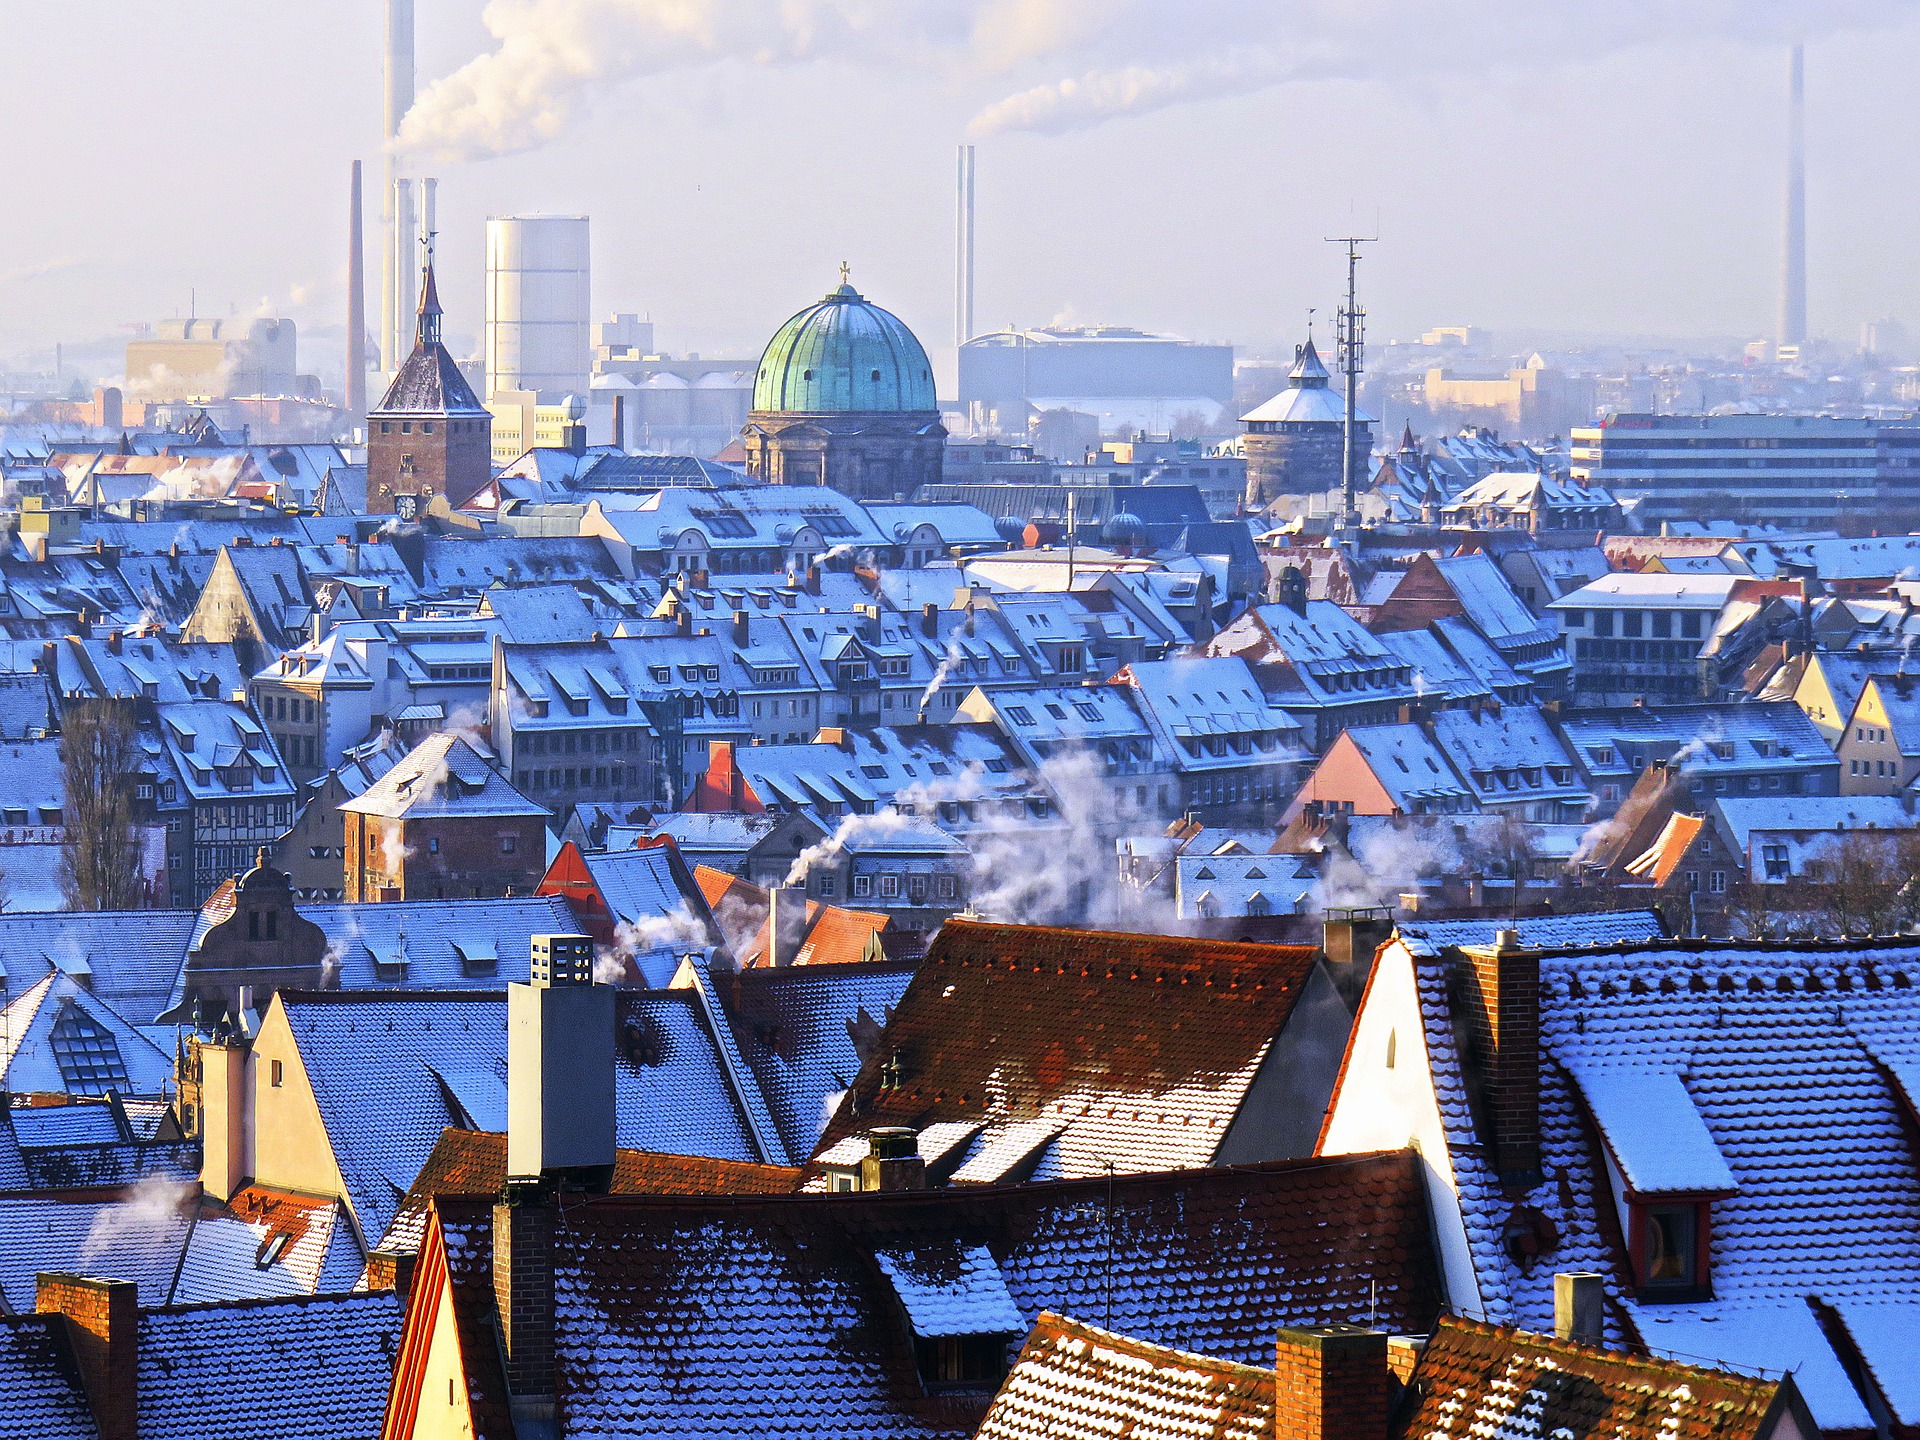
(1128, 379)
(539, 318)
(194, 359)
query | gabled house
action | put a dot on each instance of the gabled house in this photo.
(344, 1095)
(1314, 659)
(1879, 749)
(1029, 1052)
(442, 822)
(1472, 588)
(1384, 770)
(60, 1038)
(1721, 1132)
(642, 907)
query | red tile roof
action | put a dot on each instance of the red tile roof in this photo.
(474, 1163)
(1074, 1382)
(1154, 1036)
(1474, 1378)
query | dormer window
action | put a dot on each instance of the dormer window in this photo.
(1664, 1169)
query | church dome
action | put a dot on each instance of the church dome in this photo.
(844, 355)
(1125, 528)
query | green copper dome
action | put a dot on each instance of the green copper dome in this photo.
(843, 355)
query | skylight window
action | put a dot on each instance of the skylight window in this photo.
(87, 1053)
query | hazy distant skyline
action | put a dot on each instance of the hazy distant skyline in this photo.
(1171, 164)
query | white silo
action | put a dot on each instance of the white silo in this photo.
(539, 316)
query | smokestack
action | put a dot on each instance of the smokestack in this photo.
(1793, 267)
(395, 267)
(963, 252)
(356, 305)
(429, 221)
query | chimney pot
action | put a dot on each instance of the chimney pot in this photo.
(786, 923)
(893, 1160)
(1577, 1298)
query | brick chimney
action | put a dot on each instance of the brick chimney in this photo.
(1505, 1003)
(742, 629)
(1331, 1382)
(813, 578)
(103, 1324)
(1350, 937)
(523, 1226)
(930, 620)
(893, 1160)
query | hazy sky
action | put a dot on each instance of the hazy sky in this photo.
(1613, 165)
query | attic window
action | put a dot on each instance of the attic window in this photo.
(271, 1249)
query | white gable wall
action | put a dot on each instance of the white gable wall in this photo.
(1382, 1107)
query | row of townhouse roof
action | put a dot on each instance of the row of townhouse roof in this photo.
(1024, 1058)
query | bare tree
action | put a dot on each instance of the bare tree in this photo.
(1864, 883)
(100, 755)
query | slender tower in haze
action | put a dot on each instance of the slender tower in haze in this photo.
(1793, 259)
(356, 305)
(396, 204)
(963, 251)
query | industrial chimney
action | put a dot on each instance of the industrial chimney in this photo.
(1793, 260)
(356, 397)
(396, 264)
(963, 252)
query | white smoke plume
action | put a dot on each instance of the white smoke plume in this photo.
(1058, 65)
(147, 1218)
(952, 658)
(850, 828)
(678, 929)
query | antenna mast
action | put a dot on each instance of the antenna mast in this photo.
(1352, 331)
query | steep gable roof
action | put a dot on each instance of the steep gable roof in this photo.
(776, 1313)
(41, 1381)
(1137, 1049)
(1801, 1061)
(442, 777)
(1474, 1377)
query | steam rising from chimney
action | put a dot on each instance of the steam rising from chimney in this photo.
(1059, 64)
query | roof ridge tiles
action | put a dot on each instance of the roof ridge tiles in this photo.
(971, 1196)
(257, 1302)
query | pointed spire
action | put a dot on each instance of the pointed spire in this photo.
(427, 331)
(1407, 443)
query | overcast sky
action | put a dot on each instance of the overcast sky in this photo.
(1610, 166)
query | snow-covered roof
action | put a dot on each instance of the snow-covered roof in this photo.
(1629, 591)
(1796, 1058)
(442, 777)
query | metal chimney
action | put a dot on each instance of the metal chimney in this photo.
(1793, 266)
(356, 396)
(560, 1096)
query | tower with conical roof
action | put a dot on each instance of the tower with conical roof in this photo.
(1294, 443)
(429, 435)
(843, 396)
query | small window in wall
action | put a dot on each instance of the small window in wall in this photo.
(508, 844)
(961, 1360)
(279, 1073)
(1393, 1046)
